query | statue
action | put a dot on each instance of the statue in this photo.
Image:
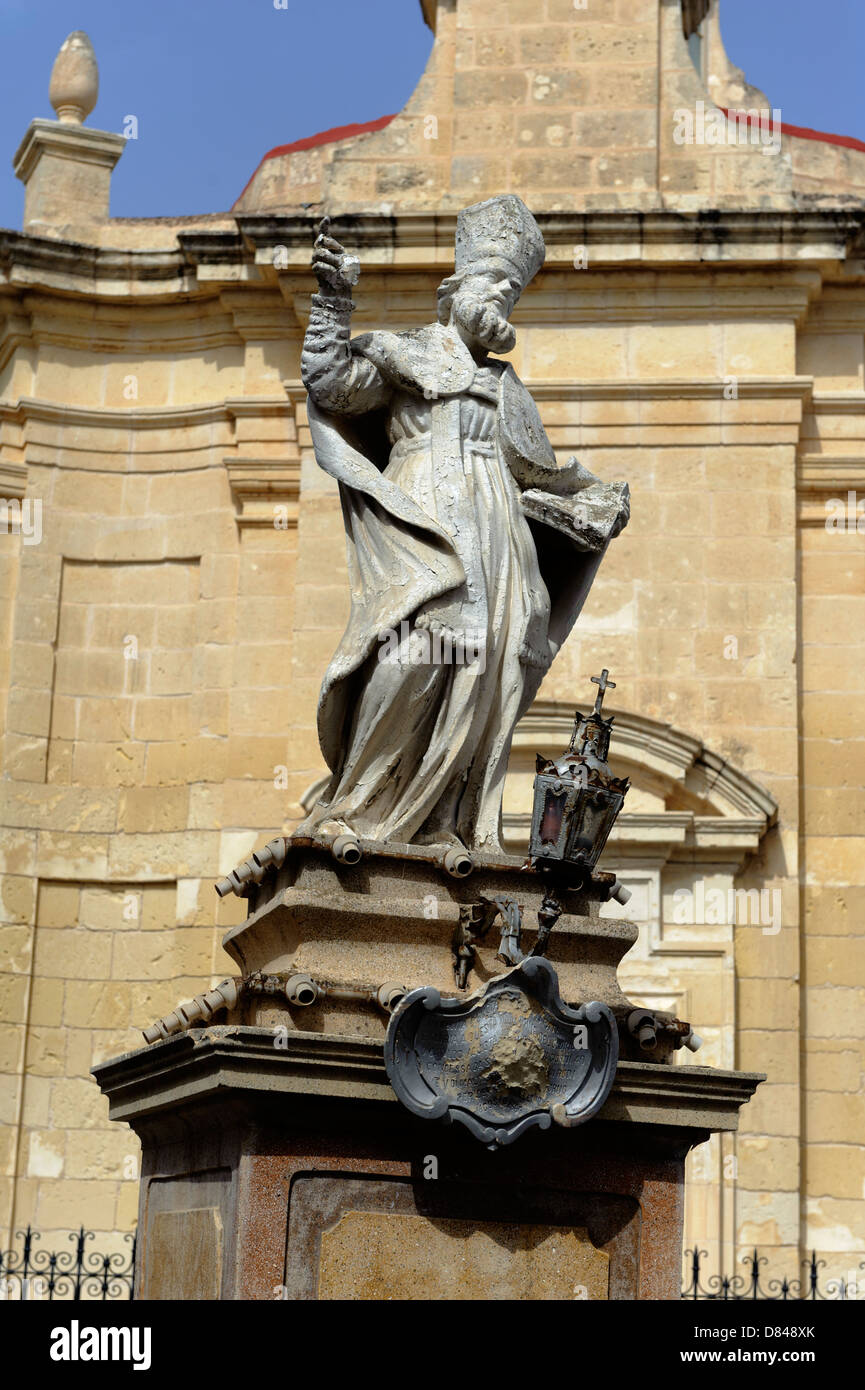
(470, 550)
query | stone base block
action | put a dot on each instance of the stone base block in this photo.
(283, 1167)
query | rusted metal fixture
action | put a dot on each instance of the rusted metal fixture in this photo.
(457, 862)
(475, 921)
(621, 894)
(577, 797)
(389, 996)
(549, 913)
(345, 849)
(683, 1031)
(301, 990)
(645, 1026)
(509, 952)
(202, 1007)
(274, 852)
(642, 1026)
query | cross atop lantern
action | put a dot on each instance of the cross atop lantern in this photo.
(577, 798)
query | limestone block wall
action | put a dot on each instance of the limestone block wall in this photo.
(150, 627)
(832, 761)
(577, 108)
(170, 629)
(696, 615)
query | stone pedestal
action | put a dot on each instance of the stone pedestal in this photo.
(66, 170)
(394, 917)
(294, 1172)
(278, 1162)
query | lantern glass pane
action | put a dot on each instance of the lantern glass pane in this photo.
(551, 820)
(591, 827)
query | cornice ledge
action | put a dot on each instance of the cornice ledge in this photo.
(830, 233)
(675, 388)
(821, 478)
(674, 835)
(817, 471)
(13, 480)
(86, 263)
(261, 485)
(203, 1062)
(797, 235)
(838, 402)
(143, 416)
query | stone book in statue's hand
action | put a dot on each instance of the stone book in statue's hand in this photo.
(590, 518)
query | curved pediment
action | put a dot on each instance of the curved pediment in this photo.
(684, 798)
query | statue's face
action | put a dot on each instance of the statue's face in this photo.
(481, 306)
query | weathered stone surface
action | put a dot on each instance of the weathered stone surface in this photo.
(185, 1260)
(473, 470)
(369, 1255)
(395, 917)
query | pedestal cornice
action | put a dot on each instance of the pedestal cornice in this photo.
(207, 1063)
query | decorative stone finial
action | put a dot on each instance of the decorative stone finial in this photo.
(74, 79)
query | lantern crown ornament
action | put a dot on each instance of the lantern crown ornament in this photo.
(577, 796)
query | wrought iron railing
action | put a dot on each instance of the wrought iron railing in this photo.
(77, 1275)
(82, 1275)
(753, 1284)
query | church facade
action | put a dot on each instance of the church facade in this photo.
(174, 581)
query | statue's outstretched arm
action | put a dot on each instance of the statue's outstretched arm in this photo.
(336, 378)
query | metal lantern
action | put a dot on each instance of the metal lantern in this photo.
(577, 798)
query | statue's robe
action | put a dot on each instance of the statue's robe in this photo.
(433, 454)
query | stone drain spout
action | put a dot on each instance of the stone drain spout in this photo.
(201, 1008)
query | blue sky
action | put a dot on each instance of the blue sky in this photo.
(216, 83)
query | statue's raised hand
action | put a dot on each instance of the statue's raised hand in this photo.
(336, 271)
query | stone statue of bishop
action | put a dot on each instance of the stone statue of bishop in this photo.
(470, 550)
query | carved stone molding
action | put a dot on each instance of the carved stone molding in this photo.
(673, 388)
(822, 478)
(666, 751)
(13, 480)
(265, 492)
